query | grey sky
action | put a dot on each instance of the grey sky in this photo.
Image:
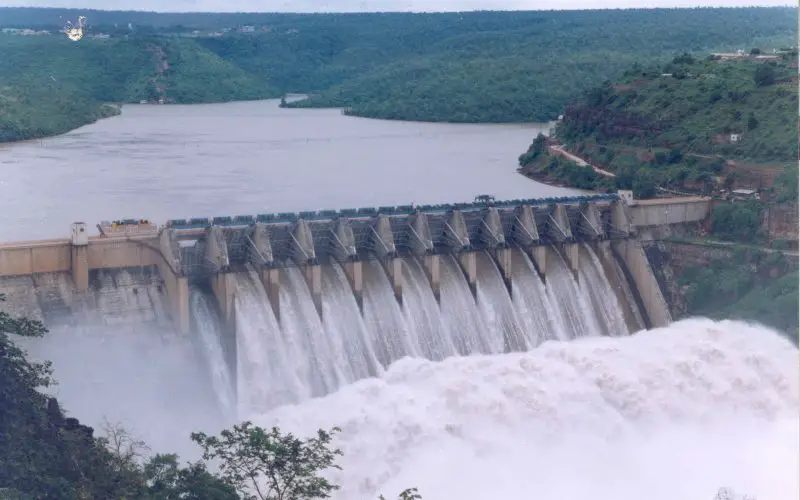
(370, 5)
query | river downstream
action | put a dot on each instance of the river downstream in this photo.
(163, 162)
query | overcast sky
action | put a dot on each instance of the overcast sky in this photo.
(368, 5)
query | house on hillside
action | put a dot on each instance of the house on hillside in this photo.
(744, 194)
(727, 56)
(731, 138)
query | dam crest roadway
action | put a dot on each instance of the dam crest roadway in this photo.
(210, 251)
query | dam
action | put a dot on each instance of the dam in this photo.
(290, 306)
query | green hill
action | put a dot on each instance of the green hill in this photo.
(518, 67)
(51, 85)
(688, 125)
(460, 67)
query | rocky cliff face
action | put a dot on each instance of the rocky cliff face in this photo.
(670, 261)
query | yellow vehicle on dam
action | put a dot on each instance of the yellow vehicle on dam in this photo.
(126, 226)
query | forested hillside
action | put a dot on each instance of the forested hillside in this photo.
(469, 67)
(50, 85)
(529, 69)
(692, 124)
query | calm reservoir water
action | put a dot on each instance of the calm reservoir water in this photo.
(163, 162)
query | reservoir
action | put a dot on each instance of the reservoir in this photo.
(163, 162)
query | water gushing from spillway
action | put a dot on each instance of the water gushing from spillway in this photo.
(306, 355)
(345, 332)
(318, 370)
(423, 316)
(206, 325)
(498, 310)
(382, 313)
(466, 327)
(571, 301)
(266, 363)
(594, 283)
(540, 319)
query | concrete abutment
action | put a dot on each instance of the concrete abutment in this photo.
(634, 260)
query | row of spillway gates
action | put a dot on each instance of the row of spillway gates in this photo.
(208, 251)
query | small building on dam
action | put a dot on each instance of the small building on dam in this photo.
(565, 240)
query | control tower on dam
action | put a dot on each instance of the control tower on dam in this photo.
(210, 252)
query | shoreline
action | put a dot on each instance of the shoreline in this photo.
(345, 112)
(117, 110)
(547, 181)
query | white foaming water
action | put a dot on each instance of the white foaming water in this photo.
(300, 322)
(266, 364)
(382, 314)
(423, 316)
(539, 318)
(350, 347)
(573, 305)
(467, 330)
(676, 412)
(496, 306)
(593, 282)
(209, 337)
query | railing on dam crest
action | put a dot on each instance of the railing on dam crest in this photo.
(352, 213)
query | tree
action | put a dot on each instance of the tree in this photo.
(675, 155)
(752, 122)
(168, 481)
(625, 177)
(737, 221)
(274, 465)
(764, 75)
(755, 51)
(684, 58)
(730, 181)
(787, 184)
(644, 185)
(409, 494)
(534, 150)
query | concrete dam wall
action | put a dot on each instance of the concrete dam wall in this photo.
(315, 300)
